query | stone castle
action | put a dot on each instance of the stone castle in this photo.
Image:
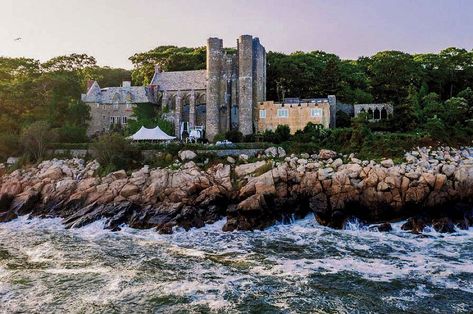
(229, 95)
(220, 98)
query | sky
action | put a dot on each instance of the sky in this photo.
(113, 30)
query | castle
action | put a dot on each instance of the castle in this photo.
(229, 95)
(220, 98)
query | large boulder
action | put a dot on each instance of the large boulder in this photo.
(327, 154)
(246, 169)
(53, 173)
(187, 155)
(271, 152)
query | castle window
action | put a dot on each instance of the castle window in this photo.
(315, 112)
(124, 120)
(283, 113)
(262, 114)
(377, 114)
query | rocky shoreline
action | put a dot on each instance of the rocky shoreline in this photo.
(430, 187)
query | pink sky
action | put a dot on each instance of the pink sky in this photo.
(113, 30)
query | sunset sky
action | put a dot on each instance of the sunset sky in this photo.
(113, 30)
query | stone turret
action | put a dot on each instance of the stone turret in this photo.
(332, 100)
(245, 90)
(214, 76)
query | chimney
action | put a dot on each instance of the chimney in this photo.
(157, 68)
(89, 84)
(126, 84)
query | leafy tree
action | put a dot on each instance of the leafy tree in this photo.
(35, 138)
(282, 133)
(114, 152)
(149, 116)
(168, 58)
(361, 132)
(391, 73)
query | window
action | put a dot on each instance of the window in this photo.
(283, 113)
(262, 114)
(315, 112)
(112, 120)
(124, 120)
(128, 105)
(115, 105)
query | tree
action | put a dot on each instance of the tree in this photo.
(114, 152)
(391, 73)
(282, 133)
(168, 58)
(35, 138)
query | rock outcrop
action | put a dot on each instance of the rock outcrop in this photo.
(433, 187)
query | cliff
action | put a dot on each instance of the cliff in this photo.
(430, 186)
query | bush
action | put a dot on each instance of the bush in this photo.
(114, 152)
(234, 136)
(35, 138)
(9, 145)
(282, 133)
(72, 134)
(219, 137)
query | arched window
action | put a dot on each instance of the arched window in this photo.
(370, 113)
(384, 114)
(377, 114)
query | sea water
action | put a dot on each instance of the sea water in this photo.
(297, 268)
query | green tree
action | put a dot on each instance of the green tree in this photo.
(35, 139)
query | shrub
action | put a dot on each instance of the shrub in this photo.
(282, 133)
(35, 138)
(234, 136)
(9, 145)
(219, 137)
(114, 152)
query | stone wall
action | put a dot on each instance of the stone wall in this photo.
(101, 114)
(298, 115)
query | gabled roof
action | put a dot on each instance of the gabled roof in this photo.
(182, 80)
(110, 95)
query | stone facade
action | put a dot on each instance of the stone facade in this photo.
(375, 112)
(113, 106)
(222, 97)
(296, 114)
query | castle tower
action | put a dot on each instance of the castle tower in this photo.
(214, 71)
(245, 88)
(332, 100)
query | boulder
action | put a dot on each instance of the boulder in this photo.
(129, 190)
(187, 155)
(53, 173)
(281, 152)
(243, 157)
(246, 169)
(119, 175)
(448, 170)
(443, 225)
(271, 152)
(387, 163)
(327, 154)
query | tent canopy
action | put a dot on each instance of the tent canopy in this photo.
(155, 134)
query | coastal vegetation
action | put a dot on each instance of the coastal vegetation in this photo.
(431, 93)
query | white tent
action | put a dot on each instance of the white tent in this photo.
(155, 134)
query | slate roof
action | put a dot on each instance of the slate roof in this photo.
(110, 95)
(182, 80)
